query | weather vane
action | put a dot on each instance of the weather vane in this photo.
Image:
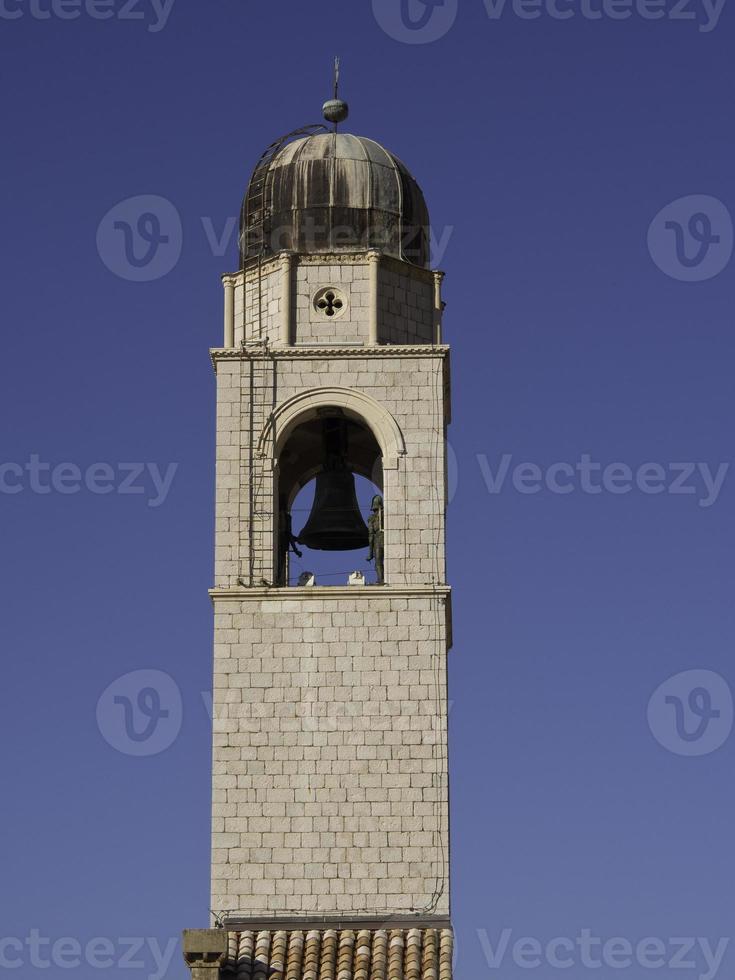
(336, 110)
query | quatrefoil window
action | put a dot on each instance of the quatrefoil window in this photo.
(330, 302)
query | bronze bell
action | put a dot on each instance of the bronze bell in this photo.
(335, 522)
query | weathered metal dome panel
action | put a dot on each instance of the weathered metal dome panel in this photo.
(335, 191)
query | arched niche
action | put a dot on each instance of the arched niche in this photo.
(295, 441)
(301, 457)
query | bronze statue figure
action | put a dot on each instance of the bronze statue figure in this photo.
(287, 542)
(375, 538)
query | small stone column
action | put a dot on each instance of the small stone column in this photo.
(374, 297)
(438, 306)
(205, 951)
(229, 285)
(286, 298)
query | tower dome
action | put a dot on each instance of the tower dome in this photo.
(331, 192)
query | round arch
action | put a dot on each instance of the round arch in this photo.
(356, 404)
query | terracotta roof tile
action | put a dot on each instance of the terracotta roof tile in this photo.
(330, 954)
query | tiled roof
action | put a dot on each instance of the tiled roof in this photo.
(331, 954)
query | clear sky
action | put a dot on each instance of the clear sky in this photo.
(548, 137)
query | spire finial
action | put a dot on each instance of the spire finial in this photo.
(336, 110)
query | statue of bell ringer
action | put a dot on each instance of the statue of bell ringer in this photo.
(375, 539)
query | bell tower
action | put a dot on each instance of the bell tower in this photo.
(330, 818)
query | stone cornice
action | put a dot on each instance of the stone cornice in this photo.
(335, 920)
(321, 592)
(322, 353)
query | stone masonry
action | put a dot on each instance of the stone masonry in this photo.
(407, 382)
(330, 803)
(406, 298)
(330, 792)
(330, 770)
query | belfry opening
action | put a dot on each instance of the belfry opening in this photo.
(329, 495)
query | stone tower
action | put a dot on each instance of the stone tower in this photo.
(330, 829)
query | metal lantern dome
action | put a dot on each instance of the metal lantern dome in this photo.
(318, 191)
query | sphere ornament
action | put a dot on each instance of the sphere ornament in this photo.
(335, 110)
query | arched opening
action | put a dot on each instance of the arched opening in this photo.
(329, 500)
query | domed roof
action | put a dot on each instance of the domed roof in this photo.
(331, 192)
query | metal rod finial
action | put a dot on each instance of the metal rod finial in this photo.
(336, 110)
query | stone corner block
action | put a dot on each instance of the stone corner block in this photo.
(204, 951)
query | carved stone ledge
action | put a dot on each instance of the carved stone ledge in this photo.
(205, 951)
(258, 593)
(322, 353)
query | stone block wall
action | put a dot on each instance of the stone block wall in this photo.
(408, 385)
(330, 767)
(330, 704)
(405, 301)
(406, 304)
(351, 326)
(258, 299)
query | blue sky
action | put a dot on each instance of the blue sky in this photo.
(577, 160)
